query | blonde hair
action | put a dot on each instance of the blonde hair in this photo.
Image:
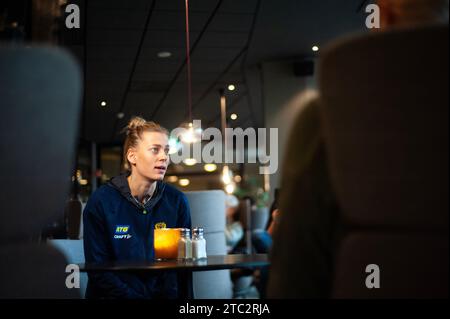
(134, 130)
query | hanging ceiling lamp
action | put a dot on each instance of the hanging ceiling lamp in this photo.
(192, 134)
(227, 174)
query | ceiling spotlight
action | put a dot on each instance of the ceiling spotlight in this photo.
(184, 182)
(120, 115)
(210, 167)
(172, 179)
(231, 87)
(190, 161)
(233, 116)
(164, 54)
(103, 103)
(315, 48)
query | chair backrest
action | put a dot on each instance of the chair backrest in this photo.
(253, 219)
(34, 271)
(73, 250)
(384, 108)
(260, 216)
(40, 92)
(208, 211)
(40, 95)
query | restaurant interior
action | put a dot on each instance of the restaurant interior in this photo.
(345, 197)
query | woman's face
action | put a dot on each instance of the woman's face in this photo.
(150, 158)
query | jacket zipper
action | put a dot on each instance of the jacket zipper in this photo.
(147, 220)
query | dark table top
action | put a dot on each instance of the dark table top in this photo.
(210, 263)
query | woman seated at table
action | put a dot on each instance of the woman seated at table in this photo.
(120, 217)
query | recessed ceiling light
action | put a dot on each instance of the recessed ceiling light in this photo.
(164, 54)
(172, 179)
(184, 182)
(120, 115)
(190, 161)
(103, 103)
(210, 167)
(231, 87)
(315, 48)
(233, 116)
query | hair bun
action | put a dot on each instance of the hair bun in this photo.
(135, 123)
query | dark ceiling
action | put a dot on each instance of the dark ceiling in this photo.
(228, 37)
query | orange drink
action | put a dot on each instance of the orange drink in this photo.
(166, 242)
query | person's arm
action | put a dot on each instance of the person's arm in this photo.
(233, 233)
(273, 223)
(184, 213)
(96, 251)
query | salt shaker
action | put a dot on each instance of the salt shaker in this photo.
(184, 244)
(198, 244)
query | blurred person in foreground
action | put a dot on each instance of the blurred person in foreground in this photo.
(304, 268)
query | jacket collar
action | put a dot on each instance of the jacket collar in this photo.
(120, 183)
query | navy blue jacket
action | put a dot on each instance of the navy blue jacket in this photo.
(117, 228)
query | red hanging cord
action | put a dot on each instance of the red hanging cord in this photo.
(188, 60)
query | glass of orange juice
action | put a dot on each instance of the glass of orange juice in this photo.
(165, 242)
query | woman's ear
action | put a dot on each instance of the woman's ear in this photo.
(131, 156)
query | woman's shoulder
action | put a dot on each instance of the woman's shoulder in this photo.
(104, 193)
(172, 192)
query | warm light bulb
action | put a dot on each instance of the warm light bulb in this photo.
(233, 116)
(237, 178)
(190, 161)
(226, 175)
(189, 136)
(229, 188)
(315, 48)
(184, 182)
(231, 87)
(210, 167)
(172, 179)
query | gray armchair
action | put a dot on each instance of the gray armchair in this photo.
(40, 90)
(384, 101)
(208, 211)
(381, 148)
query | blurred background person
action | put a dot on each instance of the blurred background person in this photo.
(234, 232)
